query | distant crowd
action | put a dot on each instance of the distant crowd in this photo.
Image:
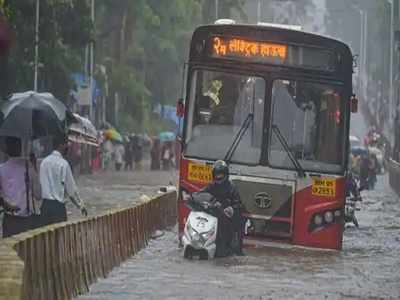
(369, 160)
(126, 155)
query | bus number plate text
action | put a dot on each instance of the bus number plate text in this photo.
(199, 173)
(324, 187)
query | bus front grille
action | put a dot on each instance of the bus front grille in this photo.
(268, 205)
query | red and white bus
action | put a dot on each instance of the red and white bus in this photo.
(275, 103)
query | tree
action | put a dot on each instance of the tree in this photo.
(61, 44)
(144, 45)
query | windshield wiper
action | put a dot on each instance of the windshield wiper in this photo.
(238, 137)
(286, 147)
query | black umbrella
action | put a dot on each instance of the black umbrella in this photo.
(32, 115)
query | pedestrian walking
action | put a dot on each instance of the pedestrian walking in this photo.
(119, 154)
(107, 154)
(364, 171)
(18, 214)
(155, 154)
(74, 157)
(58, 184)
(167, 155)
(372, 171)
(128, 155)
(137, 148)
(177, 153)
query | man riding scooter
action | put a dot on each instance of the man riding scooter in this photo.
(229, 232)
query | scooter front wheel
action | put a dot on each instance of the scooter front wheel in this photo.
(355, 222)
(188, 253)
(203, 255)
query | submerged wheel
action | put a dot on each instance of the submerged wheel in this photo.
(203, 255)
(188, 254)
(355, 222)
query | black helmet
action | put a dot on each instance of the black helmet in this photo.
(220, 171)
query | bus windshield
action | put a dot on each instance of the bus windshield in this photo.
(310, 117)
(220, 103)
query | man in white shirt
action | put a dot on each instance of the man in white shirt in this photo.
(58, 184)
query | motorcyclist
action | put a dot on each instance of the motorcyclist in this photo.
(352, 196)
(351, 186)
(364, 171)
(229, 234)
(372, 171)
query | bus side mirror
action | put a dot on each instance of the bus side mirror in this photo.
(354, 104)
(180, 108)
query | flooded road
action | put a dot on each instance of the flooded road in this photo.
(109, 190)
(367, 268)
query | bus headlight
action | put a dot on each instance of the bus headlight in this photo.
(328, 216)
(318, 220)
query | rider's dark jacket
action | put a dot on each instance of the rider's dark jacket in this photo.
(226, 193)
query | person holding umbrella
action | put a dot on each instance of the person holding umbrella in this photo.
(18, 216)
(30, 116)
(57, 184)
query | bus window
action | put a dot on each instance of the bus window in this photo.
(310, 117)
(218, 106)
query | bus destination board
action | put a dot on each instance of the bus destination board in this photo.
(241, 49)
(247, 50)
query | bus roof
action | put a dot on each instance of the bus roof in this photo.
(284, 26)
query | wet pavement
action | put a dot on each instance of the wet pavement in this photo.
(108, 190)
(367, 268)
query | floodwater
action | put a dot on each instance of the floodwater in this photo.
(367, 268)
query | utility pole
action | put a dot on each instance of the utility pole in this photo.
(91, 66)
(36, 63)
(365, 55)
(362, 67)
(361, 53)
(259, 11)
(391, 92)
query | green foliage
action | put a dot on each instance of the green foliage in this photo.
(65, 29)
(144, 45)
(141, 44)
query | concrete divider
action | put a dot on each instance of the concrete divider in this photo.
(394, 175)
(62, 260)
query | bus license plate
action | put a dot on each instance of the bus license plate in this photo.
(199, 173)
(324, 187)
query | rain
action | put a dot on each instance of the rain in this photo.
(149, 94)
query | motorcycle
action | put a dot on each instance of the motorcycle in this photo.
(200, 232)
(351, 206)
(353, 199)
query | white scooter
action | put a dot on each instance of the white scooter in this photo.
(200, 233)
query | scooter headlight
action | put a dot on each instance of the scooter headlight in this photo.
(207, 235)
